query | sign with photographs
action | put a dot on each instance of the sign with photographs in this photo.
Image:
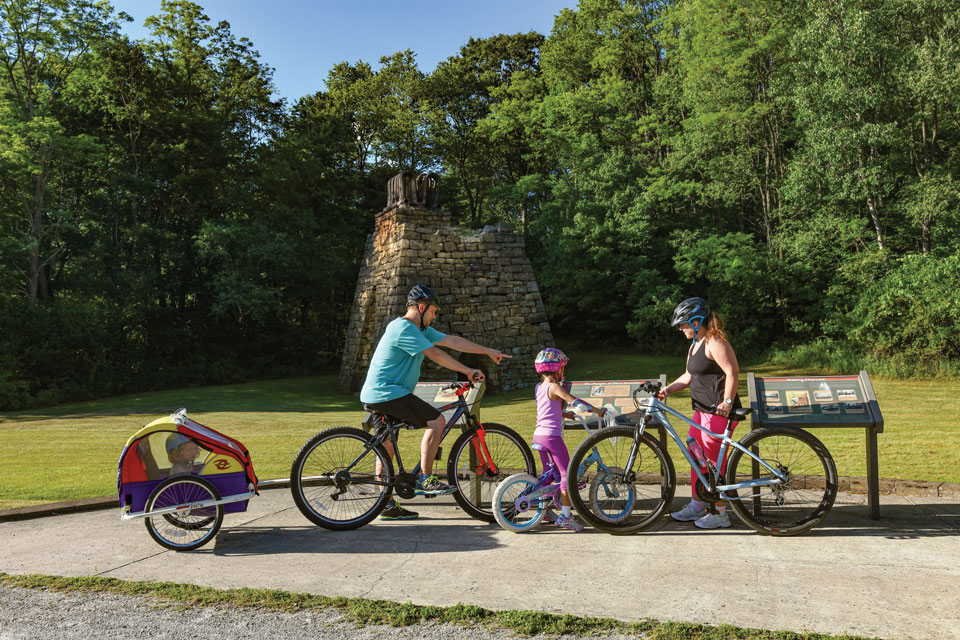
(814, 401)
(618, 393)
(827, 402)
(437, 394)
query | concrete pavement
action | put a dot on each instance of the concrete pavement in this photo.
(898, 577)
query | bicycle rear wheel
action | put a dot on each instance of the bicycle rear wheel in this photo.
(474, 478)
(617, 496)
(799, 504)
(334, 483)
(511, 511)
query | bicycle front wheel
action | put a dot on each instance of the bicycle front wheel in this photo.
(792, 507)
(615, 494)
(472, 474)
(334, 479)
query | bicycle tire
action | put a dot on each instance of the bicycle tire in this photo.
(315, 491)
(509, 452)
(648, 485)
(810, 490)
(505, 504)
(192, 528)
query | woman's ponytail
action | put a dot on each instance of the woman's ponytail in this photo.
(715, 328)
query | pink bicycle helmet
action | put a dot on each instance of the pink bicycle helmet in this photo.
(549, 360)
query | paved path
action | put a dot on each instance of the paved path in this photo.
(898, 577)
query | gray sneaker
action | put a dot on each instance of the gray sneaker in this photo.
(689, 513)
(431, 486)
(567, 522)
(713, 521)
(396, 512)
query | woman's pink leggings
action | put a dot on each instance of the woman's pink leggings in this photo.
(711, 446)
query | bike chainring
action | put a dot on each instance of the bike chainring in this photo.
(704, 494)
(405, 485)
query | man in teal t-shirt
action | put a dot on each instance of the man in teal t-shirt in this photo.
(394, 372)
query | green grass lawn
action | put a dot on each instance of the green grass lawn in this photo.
(71, 451)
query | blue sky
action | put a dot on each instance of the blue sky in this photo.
(302, 40)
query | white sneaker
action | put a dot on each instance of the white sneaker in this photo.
(689, 513)
(713, 521)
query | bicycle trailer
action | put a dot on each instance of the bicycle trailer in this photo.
(181, 477)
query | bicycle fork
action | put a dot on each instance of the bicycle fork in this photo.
(484, 459)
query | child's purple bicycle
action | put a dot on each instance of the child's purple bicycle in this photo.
(521, 501)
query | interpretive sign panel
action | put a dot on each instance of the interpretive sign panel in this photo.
(618, 393)
(836, 401)
(813, 402)
(437, 394)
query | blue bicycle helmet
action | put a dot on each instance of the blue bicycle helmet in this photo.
(422, 293)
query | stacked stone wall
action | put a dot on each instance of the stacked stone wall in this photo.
(487, 289)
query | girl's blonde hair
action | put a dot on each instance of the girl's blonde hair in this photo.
(551, 376)
(715, 328)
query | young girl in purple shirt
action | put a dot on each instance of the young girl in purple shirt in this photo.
(552, 398)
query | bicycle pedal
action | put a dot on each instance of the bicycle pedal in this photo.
(429, 496)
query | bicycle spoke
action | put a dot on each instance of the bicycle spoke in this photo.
(789, 507)
(474, 478)
(334, 479)
(612, 493)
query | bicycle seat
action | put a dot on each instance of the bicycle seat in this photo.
(374, 418)
(740, 414)
(537, 447)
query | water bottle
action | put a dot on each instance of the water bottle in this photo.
(697, 452)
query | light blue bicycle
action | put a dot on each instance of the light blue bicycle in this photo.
(520, 501)
(779, 480)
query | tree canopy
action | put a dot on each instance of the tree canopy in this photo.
(165, 220)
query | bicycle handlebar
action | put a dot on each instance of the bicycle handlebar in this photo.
(461, 387)
(650, 386)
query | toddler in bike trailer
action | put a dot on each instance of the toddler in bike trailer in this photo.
(182, 453)
(552, 399)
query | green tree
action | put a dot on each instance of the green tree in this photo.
(600, 131)
(928, 103)
(845, 90)
(731, 60)
(42, 44)
(464, 90)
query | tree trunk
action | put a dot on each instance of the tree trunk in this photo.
(875, 218)
(36, 288)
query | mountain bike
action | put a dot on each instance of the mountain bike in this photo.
(334, 478)
(779, 480)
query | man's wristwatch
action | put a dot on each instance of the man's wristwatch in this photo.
(728, 400)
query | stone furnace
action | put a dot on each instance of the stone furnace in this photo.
(484, 281)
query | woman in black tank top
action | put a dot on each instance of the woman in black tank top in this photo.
(712, 373)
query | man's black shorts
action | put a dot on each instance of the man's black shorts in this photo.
(409, 408)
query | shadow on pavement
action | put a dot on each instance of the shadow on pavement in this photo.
(399, 537)
(897, 522)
